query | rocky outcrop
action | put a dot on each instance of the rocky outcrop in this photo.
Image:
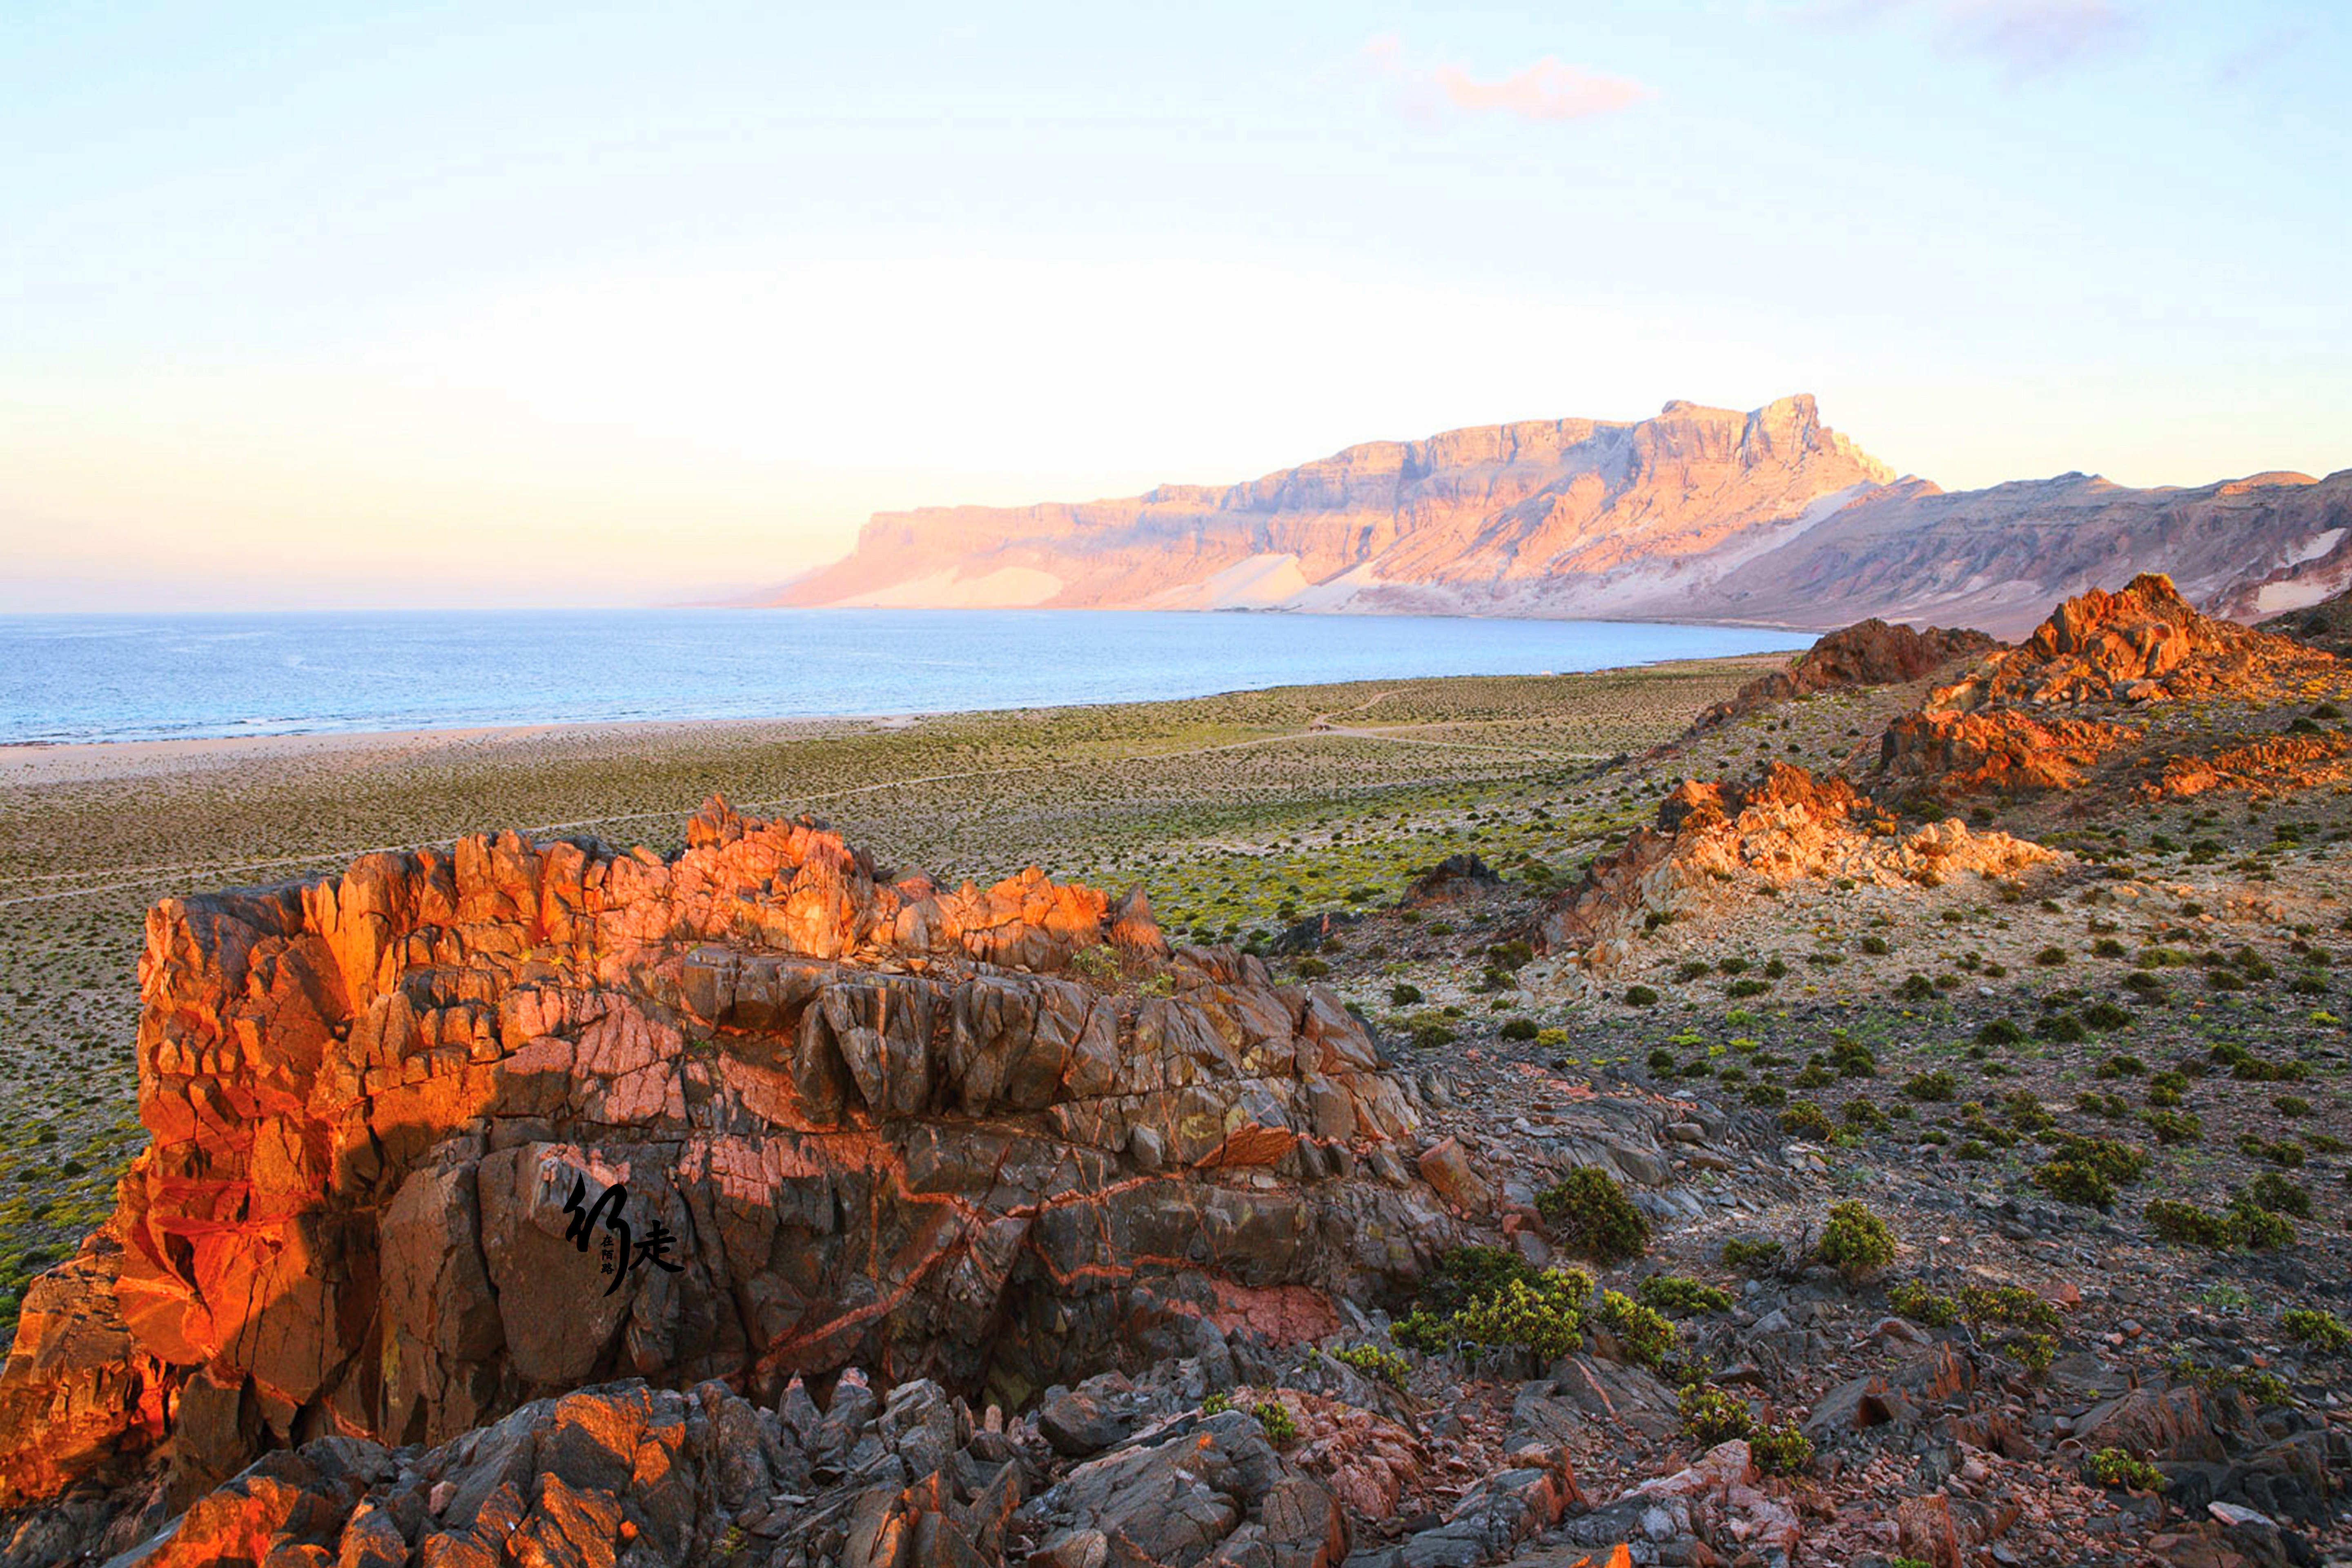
(662, 1478)
(1716, 840)
(1868, 653)
(2279, 764)
(1766, 517)
(2044, 714)
(1955, 755)
(455, 1133)
(2143, 645)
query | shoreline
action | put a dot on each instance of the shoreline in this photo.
(35, 763)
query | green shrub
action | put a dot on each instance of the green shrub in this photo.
(1938, 1085)
(1751, 1254)
(2062, 1027)
(1864, 1116)
(1518, 1028)
(1782, 1450)
(2273, 1192)
(1467, 1273)
(1999, 1032)
(1806, 1120)
(2258, 1229)
(1404, 995)
(1217, 1404)
(2116, 1162)
(2321, 1331)
(1913, 1300)
(1855, 1241)
(1536, 1310)
(2280, 1152)
(1641, 1332)
(1428, 1031)
(1281, 1428)
(2034, 1352)
(1711, 1416)
(1641, 996)
(1385, 1366)
(2117, 1467)
(1679, 1293)
(2171, 1127)
(2071, 1182)
(2186, 1225)
(2008, 1305)
(1589, 1214)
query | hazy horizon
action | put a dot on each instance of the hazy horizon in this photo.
(407, 307)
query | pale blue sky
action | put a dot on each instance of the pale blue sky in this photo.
(351, 304)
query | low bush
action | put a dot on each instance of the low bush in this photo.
(2119, 1468)
(1855, 1242)
(1679, 1293)
(1751, 1255)
(1589, 1214)
(1384, 1366)
(1938, 1085)
(2321, 1331)
(1779, 1450)
(1807, 1119)
(1712, 1416)
(1641, 1332)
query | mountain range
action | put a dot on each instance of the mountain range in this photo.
(1701, 514)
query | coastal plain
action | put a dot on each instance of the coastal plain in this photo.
(1236, 813)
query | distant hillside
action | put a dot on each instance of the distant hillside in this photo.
(1698, 513)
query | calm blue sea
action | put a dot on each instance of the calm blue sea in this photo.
(132, 676)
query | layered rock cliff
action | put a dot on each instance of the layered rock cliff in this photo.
(457, 1131)
(1697, 513)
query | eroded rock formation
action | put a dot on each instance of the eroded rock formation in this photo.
(2142, 644)
(1868, 653)
(1969, 753)
(1716, 840)
(987, 1136)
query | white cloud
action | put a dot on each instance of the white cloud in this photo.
(1549, 89)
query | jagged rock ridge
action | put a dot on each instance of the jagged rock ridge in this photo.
(992, 1136)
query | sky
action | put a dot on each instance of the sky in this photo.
(443, 305)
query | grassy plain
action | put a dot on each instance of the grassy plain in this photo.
(1237, 812)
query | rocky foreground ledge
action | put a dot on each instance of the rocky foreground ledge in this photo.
(455, 1134)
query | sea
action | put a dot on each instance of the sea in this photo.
(122, 676)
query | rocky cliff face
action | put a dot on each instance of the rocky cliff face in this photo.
(1698, 513)
(1554, 516)
(455, 1132)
